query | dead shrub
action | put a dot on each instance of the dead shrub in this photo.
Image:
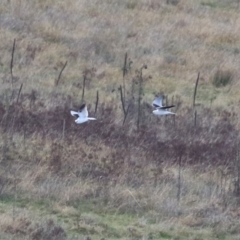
(47, 230)
(173, 2)
(222, 78)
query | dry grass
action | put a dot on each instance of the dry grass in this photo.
(176, 42)
(103, 180)
(91, 190)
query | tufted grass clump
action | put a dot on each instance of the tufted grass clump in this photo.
(222, 78)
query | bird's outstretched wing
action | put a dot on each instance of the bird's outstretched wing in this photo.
(83, 112)
(157, 103)
(82, 107)
(75, 114)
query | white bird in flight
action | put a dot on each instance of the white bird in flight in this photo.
(82, 115)
(160, 110)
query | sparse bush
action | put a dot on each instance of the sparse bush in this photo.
(173, 2)
(48, 230)
(222, 78)
(131, 4)
(23, 228)
(209, 4)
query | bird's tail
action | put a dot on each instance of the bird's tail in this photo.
(92, 119)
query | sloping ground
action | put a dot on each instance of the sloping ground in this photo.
(174, 177)
(175, 41)
(211, 138)
(170, 179)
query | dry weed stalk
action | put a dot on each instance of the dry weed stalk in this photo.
(122, 100)
(194, 99)
(12, 58)
(124, 73)
(140, 94)
(60, 74)
(237, 172)
(126, 68)
(179, 177)
(88, 74)
(19, 92)
(127, 111)
(63, 130)
(96, 104)
(84, 84)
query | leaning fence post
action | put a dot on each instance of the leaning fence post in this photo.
(19, 92)
(63, 130)
(140, 92)
(59, 76)
(11, 64)
(96, 105)
(194, 99)
(122, 100)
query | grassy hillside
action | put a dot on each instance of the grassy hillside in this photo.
(175, 177)
(175, 41)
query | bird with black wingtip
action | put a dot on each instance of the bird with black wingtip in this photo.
(160, 109)
(82, 115)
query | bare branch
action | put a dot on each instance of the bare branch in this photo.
(179, 177)
(124, 73)
(125, 117)
(63, 130)
(140, 92)
(195, 90)
(96, 105)
(84, 82)
(125, 65)
(59, 76)
(195, 118)
(19, 92)
(11, 64)
(122, 100)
